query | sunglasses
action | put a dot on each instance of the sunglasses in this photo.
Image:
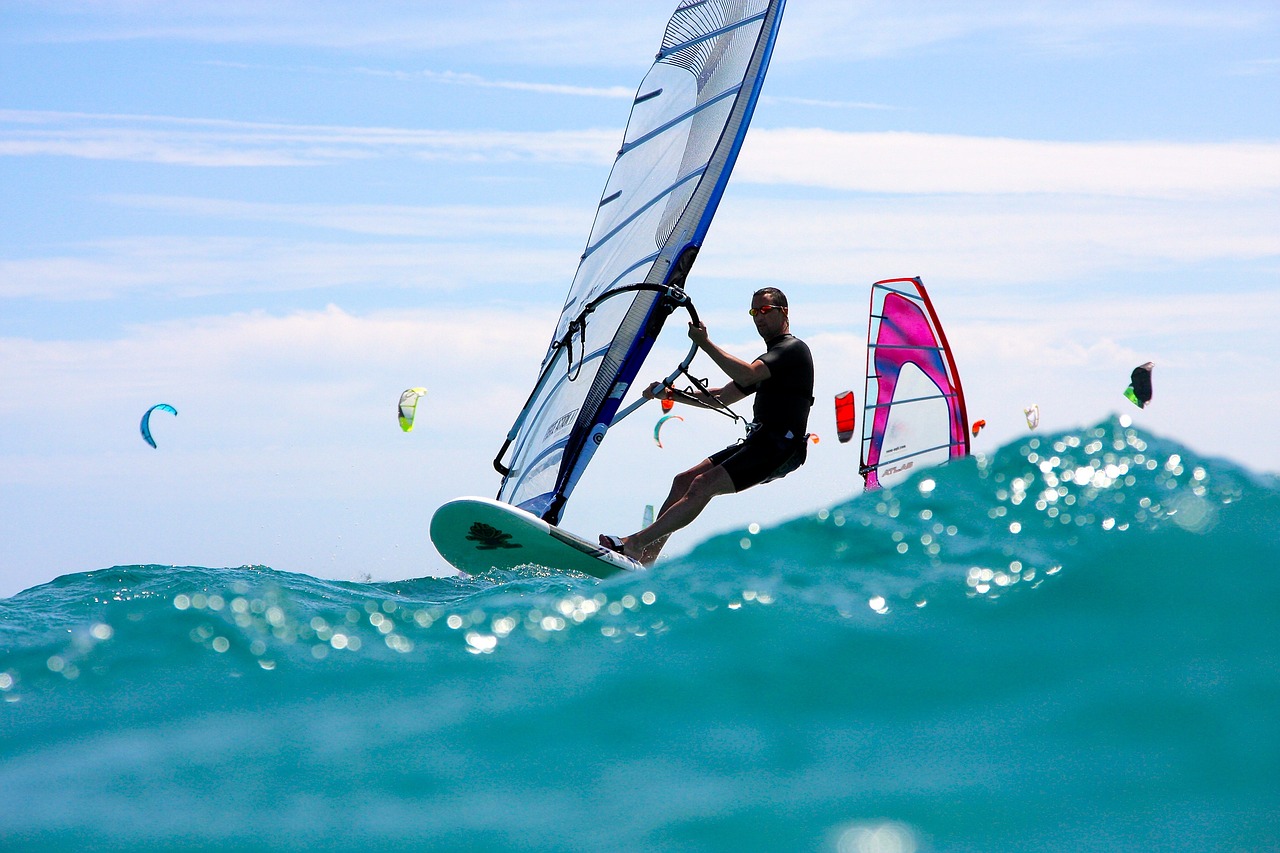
(765, 309)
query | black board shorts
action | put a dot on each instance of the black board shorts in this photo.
(760, 458)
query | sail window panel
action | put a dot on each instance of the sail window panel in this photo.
(704, 134)
(679, 96)
(533, 489)
(650, 170)
(687, 116)
(610, 263)
(556, 400)
(535, 461)
(909, 428)
(643, 219)
(641, 176)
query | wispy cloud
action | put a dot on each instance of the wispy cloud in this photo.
(828, 104)
(844, 29)
(450, 78)
(988, 211)
(443, 222)
(224, 143)
(986, 241)
(900, 163)
(569, 32)
(200, 266)
(982, 240)
(563, 32)
(456, 78)
(912, 163)
(1257, 67)
(264, 355)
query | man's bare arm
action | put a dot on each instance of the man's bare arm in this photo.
(744, 373)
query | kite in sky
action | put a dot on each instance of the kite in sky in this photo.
(146, 421)
(657, 428)
(1139, 390)
(844, 416)
(409, 406)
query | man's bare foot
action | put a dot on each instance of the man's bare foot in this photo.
(621, 545)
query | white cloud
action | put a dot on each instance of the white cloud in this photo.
(452, 78)
(325, 368)
(827, 104)
(839, 30)
(568, 32)
(983, 239)
(895, 162)
(222, 143)
(906, 163)
(454, 222)
(1258, 67)
(563, 32)
(194, 266)
(463, 79)
(980, 239)
(285, 450)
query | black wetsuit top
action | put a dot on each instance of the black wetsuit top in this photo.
(775, 445)
(783, 400)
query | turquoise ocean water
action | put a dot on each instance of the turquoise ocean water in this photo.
(1072, 644)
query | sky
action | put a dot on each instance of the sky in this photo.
(276, 217)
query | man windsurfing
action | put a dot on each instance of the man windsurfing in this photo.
(776, 442)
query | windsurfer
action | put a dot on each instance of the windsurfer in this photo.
(776, 442)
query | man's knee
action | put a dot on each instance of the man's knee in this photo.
(684, 480)
(710, 483)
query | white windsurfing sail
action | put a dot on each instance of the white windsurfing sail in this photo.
(686, 127)
(914, 414)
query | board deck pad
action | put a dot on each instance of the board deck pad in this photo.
(479, 534)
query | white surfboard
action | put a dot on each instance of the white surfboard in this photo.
(478, 534)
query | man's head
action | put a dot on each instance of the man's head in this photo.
(769, 310)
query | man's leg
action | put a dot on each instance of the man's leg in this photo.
(679, 486)
(707, 481)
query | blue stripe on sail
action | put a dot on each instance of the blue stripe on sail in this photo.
(708, 36)
(912, 400)
(907, 346)
(684, 116)
(907, 293)
(624, 223)
(882, 462)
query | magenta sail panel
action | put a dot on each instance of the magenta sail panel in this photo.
(914, 414)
